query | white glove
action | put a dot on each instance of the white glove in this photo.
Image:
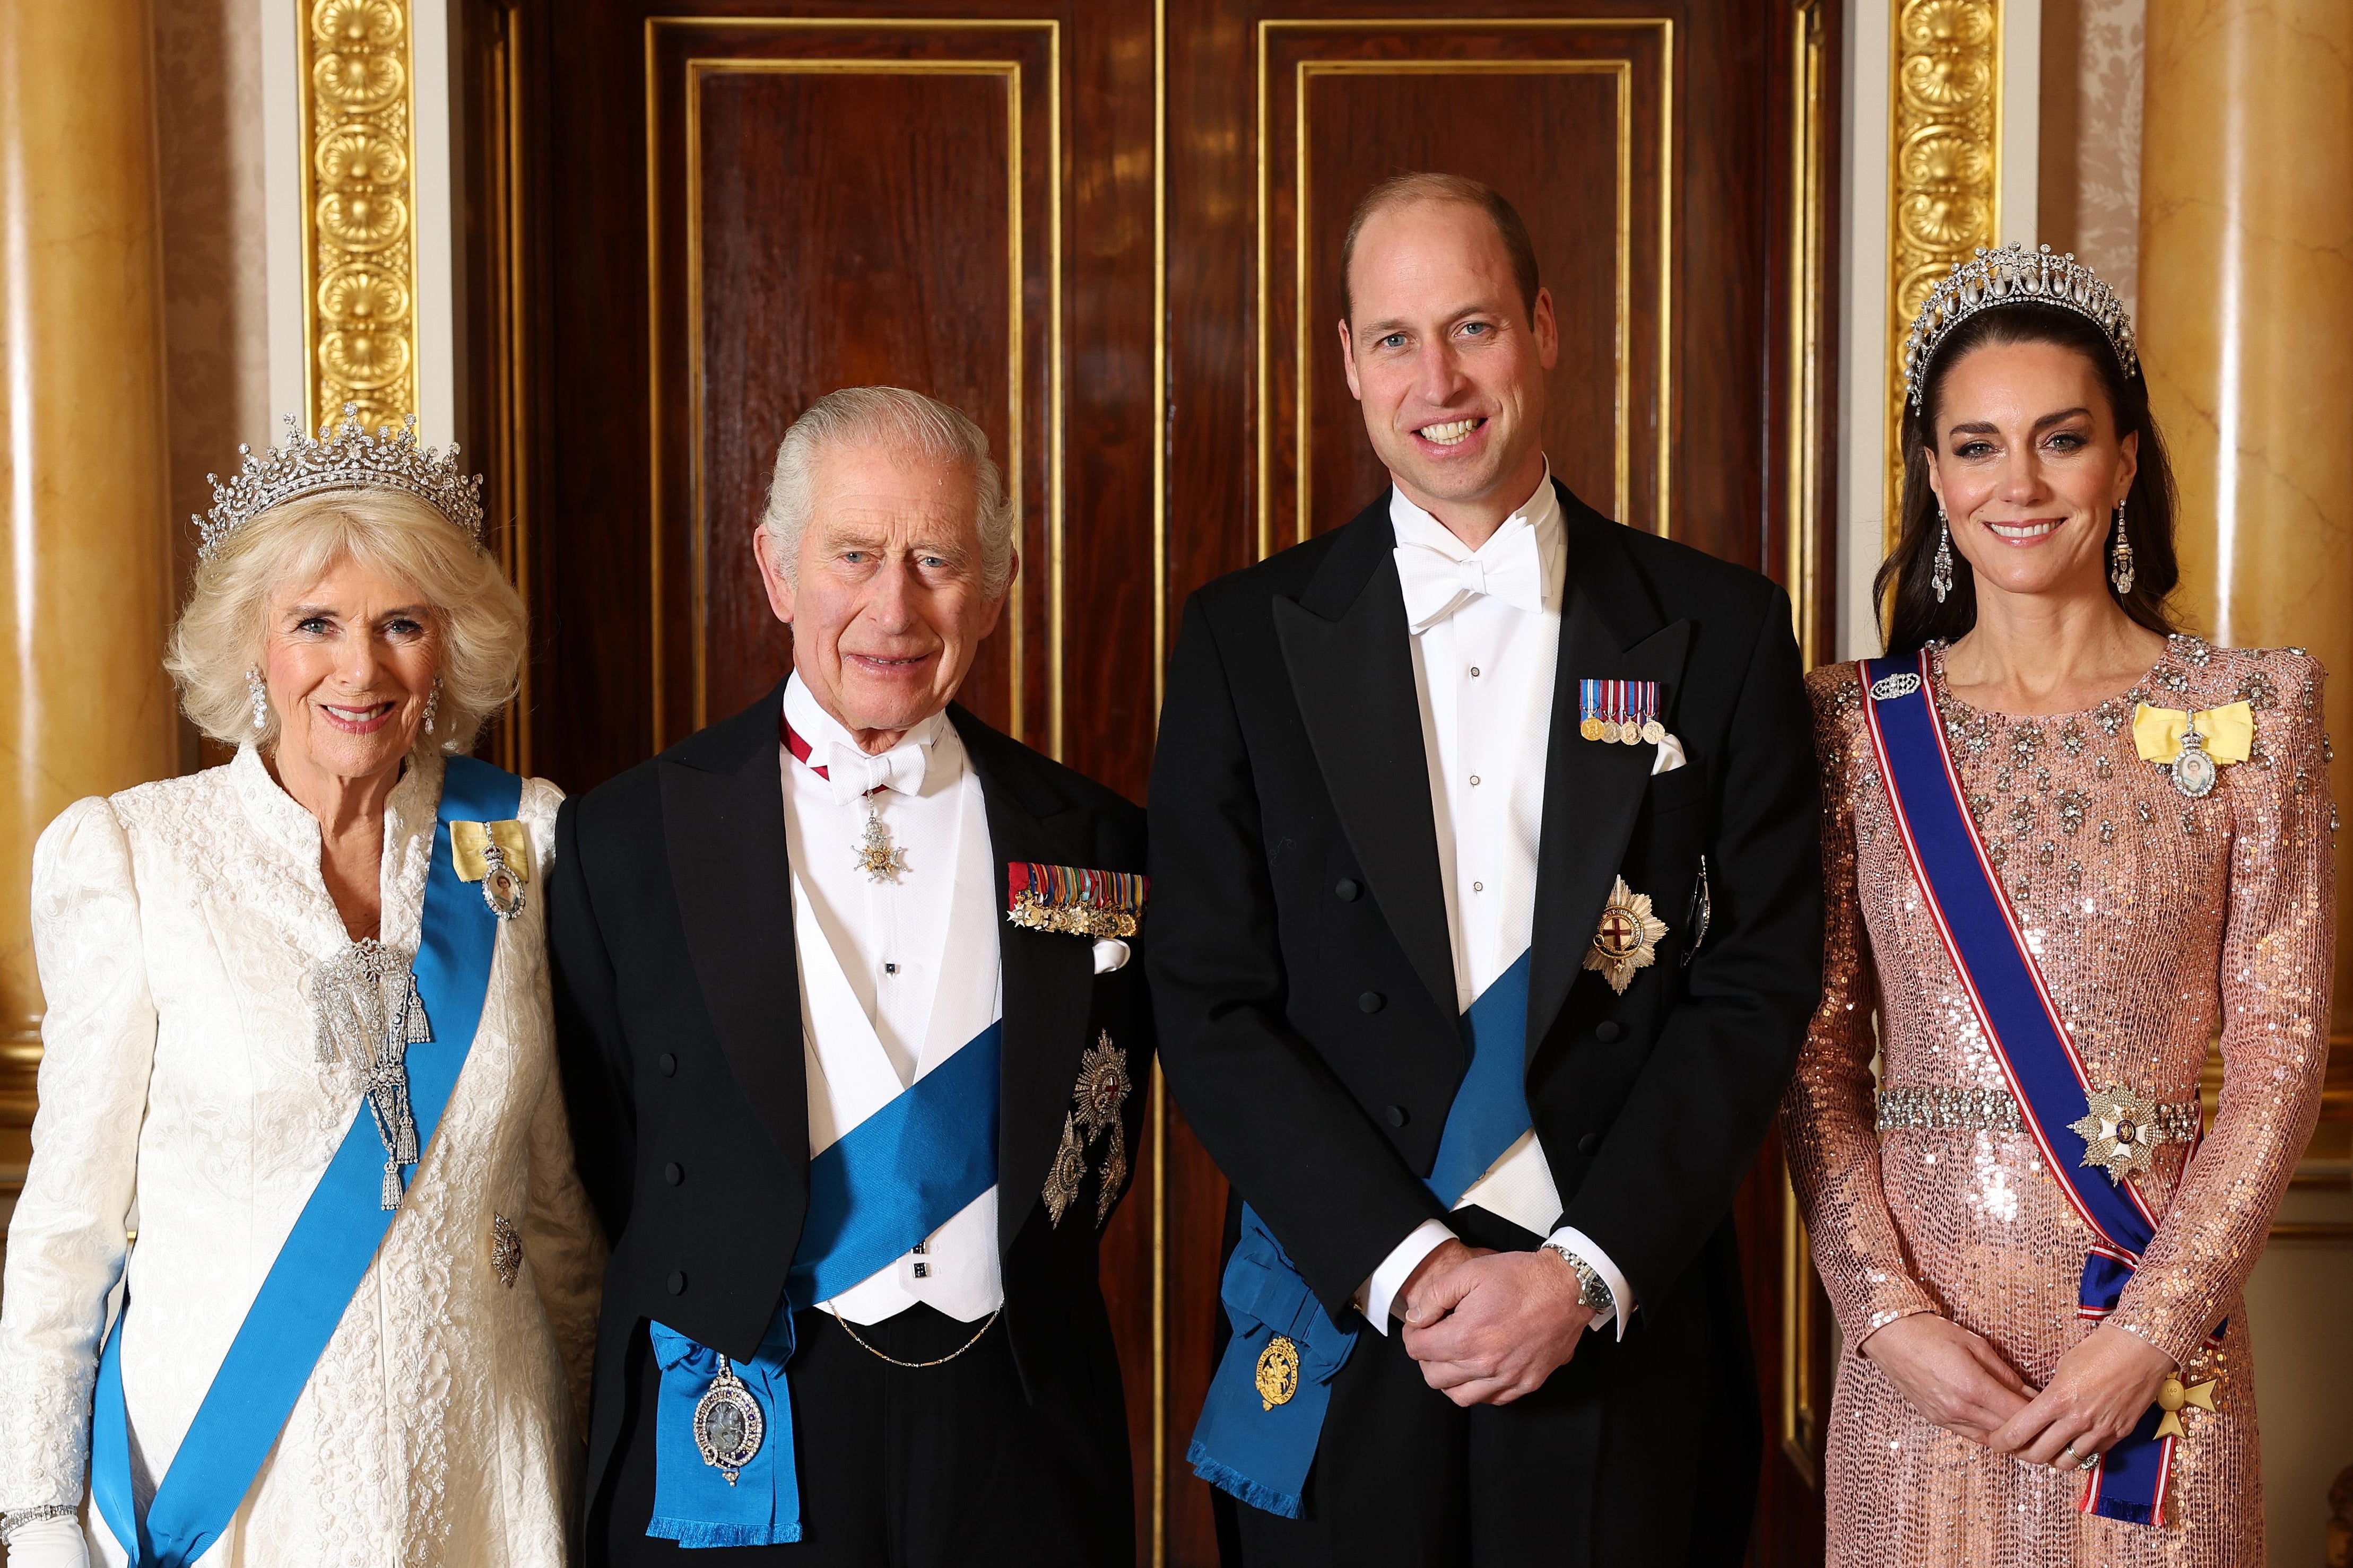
(48, 1544)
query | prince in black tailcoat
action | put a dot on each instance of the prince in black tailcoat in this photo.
(1305, 977)
(680, 1017)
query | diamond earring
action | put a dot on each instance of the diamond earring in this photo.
(432, 704)
(1941, 578)
(258, 692)
(2120, 561)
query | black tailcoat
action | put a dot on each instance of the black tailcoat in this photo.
(1303, 976)
(678, 1030)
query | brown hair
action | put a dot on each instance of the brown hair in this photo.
(1910, 617)
(1401, 189)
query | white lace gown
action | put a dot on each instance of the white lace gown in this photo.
(181, 1096)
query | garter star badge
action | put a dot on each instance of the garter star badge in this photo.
(1278, 1372)
(1627, 939)
(727, 1424)
(2120, 1132)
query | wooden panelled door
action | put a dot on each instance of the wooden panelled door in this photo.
(1109, 230)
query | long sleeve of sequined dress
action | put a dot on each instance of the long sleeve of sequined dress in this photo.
(2160, 922)
(180, 929)
(1828, 1112)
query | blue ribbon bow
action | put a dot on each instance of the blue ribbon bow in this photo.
(694, 1503)
(1259, 1452)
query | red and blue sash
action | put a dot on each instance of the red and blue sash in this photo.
(2031, 1042)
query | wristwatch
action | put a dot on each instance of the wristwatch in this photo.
(1595, 1297)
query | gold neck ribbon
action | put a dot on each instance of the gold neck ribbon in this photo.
(2227, 732)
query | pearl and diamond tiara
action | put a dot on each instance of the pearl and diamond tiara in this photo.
(2014, 275)
(351, 459)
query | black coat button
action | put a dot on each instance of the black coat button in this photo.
(1607, 1030)
(1589, 1146)
(673, 1173)
(676, 1283)
(1345, 889)
(665, 1064)
(1371, 1002)
(1397, 1116)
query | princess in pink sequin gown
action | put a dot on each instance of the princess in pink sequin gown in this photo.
(2161, 921)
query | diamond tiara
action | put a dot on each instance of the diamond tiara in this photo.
(2014, 275)
(351, 459)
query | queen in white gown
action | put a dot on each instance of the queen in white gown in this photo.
(221, 954)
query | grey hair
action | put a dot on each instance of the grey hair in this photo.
(907, 422)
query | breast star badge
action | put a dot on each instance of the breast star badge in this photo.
(1627, 939)
(2119, 1132)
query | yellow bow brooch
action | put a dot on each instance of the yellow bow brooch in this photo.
(2191, 747)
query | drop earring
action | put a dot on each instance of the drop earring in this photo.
(2120, 561)
(432, 704)
(1941, 578)
(258, 691)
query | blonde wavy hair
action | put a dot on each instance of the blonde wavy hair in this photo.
(480, 629)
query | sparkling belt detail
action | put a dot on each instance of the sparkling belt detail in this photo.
(1972, 1108)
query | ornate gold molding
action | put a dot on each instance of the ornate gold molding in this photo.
(359, 239)
(1944, 171)
(1811, 199)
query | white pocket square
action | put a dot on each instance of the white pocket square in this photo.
(1110, 953)
(1670, 758)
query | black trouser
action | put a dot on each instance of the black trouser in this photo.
(936, 1466)
(1616, 1462)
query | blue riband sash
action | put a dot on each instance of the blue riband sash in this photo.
(335, 1239)
(874, 1193)
(2038, 1058)
(1260, 1450)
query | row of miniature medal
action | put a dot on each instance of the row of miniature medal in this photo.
(1625, 712)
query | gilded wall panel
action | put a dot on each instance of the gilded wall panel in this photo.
(359, 258)
(1943, 197)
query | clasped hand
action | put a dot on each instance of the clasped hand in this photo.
(1490, 1327)
(1957, 1379)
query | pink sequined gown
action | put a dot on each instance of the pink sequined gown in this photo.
(2155, 919)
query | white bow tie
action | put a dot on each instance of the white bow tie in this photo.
(1511, 569)
(853, 774)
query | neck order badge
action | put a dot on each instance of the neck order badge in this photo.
(335, 1239)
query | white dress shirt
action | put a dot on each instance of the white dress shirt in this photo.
(1486, 638)
(897, 975)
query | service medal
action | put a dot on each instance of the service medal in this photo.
(1590, 727)
(1653, 733)
(1277, 1371)
(1627, 939)
(727, 1424)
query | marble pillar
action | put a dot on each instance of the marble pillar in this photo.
(85, 707)
(2246, 332)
